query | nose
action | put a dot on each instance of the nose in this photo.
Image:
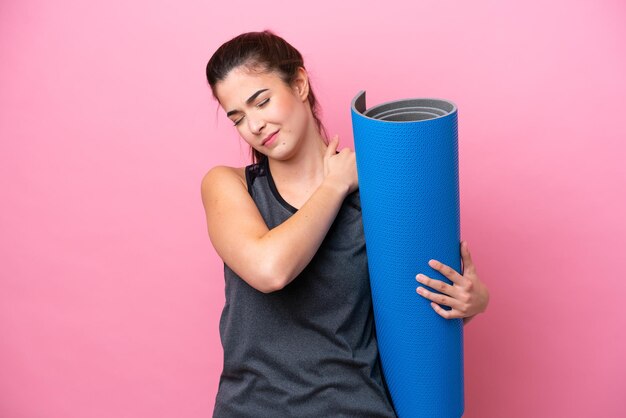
(255, 124)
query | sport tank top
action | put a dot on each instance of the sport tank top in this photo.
(309, 349)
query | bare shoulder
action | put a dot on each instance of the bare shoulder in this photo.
(227, 201)
(221, 173)
(223, 178)
(235, 225)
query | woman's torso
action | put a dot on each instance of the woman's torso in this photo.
(308, 350)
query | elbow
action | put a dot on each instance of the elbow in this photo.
(270, 269)
(273, 278)
(273, 285)
(270, 285)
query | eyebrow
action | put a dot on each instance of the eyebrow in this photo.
(250, 99)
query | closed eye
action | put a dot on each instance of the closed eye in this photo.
(263, 103)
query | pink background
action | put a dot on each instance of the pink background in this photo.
(110, 290)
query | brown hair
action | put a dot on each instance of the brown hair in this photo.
(268, 52)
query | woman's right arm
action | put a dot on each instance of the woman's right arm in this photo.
(268, 259)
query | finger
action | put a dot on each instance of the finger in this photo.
(438, 285)
(332, 146)
(453, 313)
(447, 271)
(468, 264)
(441, 299)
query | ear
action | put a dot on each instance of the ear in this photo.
(301, 84)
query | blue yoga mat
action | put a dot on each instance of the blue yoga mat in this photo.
(407, 164)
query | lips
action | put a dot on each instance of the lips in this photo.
(269, 138)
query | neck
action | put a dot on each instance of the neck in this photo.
(305, 167)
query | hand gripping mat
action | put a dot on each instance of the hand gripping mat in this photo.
(407, 164)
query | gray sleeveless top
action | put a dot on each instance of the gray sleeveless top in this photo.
(309, 349)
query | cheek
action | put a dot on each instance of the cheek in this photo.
(292, 114)
(284, 110)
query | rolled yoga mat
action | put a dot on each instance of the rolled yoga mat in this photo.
(407, 164)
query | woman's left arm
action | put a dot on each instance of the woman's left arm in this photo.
(467, 296)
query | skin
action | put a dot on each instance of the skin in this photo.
(300, 162)
(296, 156)
(310, 175)
(467, 296)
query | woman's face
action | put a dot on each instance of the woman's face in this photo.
(269, 115)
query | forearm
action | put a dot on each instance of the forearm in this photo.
(291, 245)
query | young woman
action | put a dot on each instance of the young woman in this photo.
(297, 328)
